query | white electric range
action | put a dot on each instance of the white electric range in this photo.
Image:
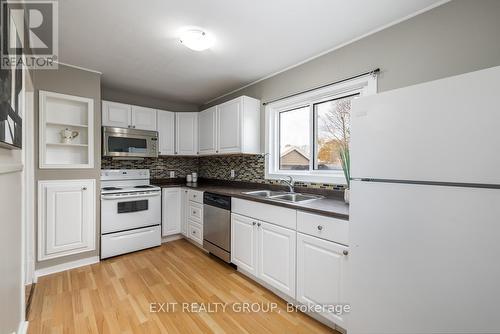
(130, 212)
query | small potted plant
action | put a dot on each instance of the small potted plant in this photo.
(346, 167)
(335, 127)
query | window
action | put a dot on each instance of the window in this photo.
(304, 133)
(332, 129)
(294, 147)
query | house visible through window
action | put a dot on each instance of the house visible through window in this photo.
(305, 133)
(295, 150)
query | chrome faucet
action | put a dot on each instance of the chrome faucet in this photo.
(290, 183)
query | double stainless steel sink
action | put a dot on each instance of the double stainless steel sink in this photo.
(283, 196)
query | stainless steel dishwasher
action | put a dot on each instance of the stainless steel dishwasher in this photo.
(217, 225)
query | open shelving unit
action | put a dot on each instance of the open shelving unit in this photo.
(59, 112)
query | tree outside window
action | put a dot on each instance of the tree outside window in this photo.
(333, 119)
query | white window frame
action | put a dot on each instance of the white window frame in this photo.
(365, 85)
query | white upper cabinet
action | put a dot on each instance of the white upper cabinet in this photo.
(207, 130)
(231, 127)
(229, 131)
(236, 128)
(66, 218)
(126, 116)
(171, 211)
(166, 132)
(186, 133)
(143, 118)
(116, 114)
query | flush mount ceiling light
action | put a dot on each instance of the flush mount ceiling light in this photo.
(197, 39)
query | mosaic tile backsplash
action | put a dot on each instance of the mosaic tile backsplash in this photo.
(159, 167)
(248, 168)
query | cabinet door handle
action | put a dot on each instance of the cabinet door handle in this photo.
(320, 227)
(345, 252)
(254, 223)
(258, 224)
(84, 188)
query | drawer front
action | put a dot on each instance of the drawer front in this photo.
(195, 232)
(195, 212)
(129, 241)
(269, 213)
(323, 227)
(195, 196)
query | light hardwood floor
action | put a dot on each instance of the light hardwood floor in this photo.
(115, 296)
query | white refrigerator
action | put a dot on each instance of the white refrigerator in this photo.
(425, 208)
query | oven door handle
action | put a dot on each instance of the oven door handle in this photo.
(114, 197)
(133, 234)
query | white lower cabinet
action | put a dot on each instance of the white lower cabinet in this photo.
(184, 212)
(301, 254)
(171, 211)
(66, 217)
(264, 250)
(194, 215)
(195, 231)
(244, 243)
(321, 268)
(195, 212)
(276, 262)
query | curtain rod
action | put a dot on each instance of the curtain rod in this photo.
(373, 72)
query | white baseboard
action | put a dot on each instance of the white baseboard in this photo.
(267, 286)
(200, 246)
(22, 328)
(171, 238)
(291, 300)
(65, 266)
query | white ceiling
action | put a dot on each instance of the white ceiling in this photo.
(134, 43)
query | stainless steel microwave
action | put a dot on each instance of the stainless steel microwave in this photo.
(129, 143)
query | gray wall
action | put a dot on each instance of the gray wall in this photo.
(72, 81)
(457, 37)
(11, 236)
(10, 244)
(110, 94)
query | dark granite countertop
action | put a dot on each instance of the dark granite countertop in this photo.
(332, 205)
